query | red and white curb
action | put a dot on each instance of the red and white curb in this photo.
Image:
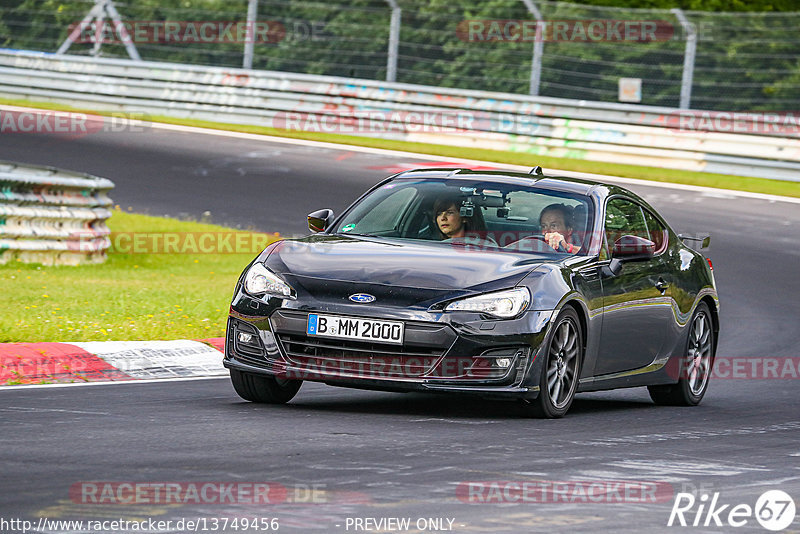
(103, 361)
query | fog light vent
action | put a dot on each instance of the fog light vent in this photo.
(245, 339)
(494, 363)
(503, 363)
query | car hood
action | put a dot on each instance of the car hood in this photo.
(396, 263)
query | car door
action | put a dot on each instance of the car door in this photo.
(637, 307)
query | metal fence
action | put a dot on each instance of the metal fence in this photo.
(715, 61)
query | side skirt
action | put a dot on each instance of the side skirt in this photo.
(650, 375)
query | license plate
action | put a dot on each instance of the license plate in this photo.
(355, 328)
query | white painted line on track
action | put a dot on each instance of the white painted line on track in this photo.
(112, 382)
(32, 409)
(713, 191)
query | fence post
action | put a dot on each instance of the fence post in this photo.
(123, 32)
(98, 12)
(250, 40)
(688, 58)
(394, 41)
(538, 48)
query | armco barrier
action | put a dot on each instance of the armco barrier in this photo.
(595, 131)
(52, 216)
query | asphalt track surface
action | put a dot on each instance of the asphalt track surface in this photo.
(386, 455)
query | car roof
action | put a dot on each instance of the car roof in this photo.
(566, 184)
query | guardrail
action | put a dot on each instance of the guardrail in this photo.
(595, 131)
(52, 216)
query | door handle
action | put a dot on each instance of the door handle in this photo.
(661, 285)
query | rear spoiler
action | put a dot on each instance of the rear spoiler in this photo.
(691, 241)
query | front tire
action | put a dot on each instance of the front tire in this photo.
(695, 366)
(264, 389)
(561, 368)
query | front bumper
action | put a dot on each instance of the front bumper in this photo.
(455, 353)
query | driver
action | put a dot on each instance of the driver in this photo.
(556, 223)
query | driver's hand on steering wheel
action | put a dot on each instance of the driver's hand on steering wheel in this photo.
(554, 239)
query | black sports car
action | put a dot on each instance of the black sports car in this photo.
(505, 285)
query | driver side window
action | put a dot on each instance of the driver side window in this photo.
(624, 217)
(658, 234)
(385, 216)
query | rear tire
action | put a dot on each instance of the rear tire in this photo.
(695, 366)
(561, 368)
(264, 389)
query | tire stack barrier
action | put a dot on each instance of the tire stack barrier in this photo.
(51, 216)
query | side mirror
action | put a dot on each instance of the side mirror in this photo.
(320, 220)
(632, 247)
(613, 268)
(703, 239)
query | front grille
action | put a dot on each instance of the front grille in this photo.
(424, 346)
(344, 357)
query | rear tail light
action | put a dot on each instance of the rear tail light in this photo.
(710, 265)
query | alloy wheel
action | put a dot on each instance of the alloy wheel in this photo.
(563, 361)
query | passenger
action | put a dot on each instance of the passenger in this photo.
(447, 215)
(556, 223)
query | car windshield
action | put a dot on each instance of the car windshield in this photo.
(497, 216)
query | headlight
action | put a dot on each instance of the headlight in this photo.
(260, 281)
(503, 304)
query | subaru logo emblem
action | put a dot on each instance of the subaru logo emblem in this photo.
(362, 298)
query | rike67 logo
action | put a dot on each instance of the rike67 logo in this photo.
(774, 510)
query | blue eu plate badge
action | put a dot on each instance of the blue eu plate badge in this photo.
(312, 324)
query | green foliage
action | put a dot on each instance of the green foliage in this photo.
(747, 57)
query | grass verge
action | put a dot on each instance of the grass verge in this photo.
(146, 296)
(657, 174)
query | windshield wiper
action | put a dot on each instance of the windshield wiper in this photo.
(356, 234)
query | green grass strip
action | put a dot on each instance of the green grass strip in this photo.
(140, 293)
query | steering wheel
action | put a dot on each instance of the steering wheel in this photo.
(538, 237)
(560, 248)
